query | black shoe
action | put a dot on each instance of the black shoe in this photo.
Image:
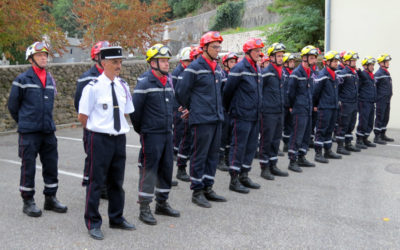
(124, 225)
(350, 147)
(320, 158)
(174, 183)
(294, 166)
(360, 144)
(329, 154)
(280, 153)
(222, 167)
(96, 233)
(341, 149)
(247, 182)
(31, 209)
(303, 162)
(276, 171)
(51, 203)
(163, 208)
(379, 140)
(285, 147)
(182, 175)
(266, 173)
(385, 138)
(210, 195)
(104, 193)
(145, 214)
(199, 199)
(368, 143)
(236, 185)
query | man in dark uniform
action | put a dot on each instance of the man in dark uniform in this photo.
(83, 80)
(153, 99)
(288, 66)
(384, 94)
(199, 91)
(243, 100)
(31, 104)
(102, 108)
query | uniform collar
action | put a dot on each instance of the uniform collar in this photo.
(35, 79)
(154, 80)
(105, 79)
(251, 65)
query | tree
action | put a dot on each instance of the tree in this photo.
(24, 22)
(129, 23)
(303, 23)
(64, 17)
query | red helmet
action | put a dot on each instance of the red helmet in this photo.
(96, 48)
(230, 55)
(342, 54)
(195, 51)
(262, 54)
(209, 37)
(252, 43)
(265, 59)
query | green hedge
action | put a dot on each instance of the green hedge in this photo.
(229, 15)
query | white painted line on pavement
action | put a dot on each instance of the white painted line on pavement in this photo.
(40, 167)
(393, 145)
(80, 140)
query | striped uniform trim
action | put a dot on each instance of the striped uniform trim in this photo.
(380, 77)
(273, 158)
(87, 78)
(143, 194)
(162, 190)
(328, 142)
(149, 90)
(340, 137)
(53, 185)
(349, 135)
(234, 168)
(268, 74)
(182, 156)
(303, 150)
(24, 86)
(360, 134)
(263, 161)
(345, 75)
(292, 151)
(243, 73)
(320, 79)
(21, 188)
(174, 77)
(197, 72)
(319, 143)
(246, 166)
(298, 77)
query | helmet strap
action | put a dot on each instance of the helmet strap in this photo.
(212, 58)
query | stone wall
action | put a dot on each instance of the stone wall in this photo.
(65, 76)
(256, 14)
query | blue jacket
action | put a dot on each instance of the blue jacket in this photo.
(366, 88)
(286, 74)
(199, 90)
(175, 74)
(300, 92)
(83, 80)
(243, 92)
(384, 90)
(272, 91)
(30, 104)
(153, 104)
(348, 85)
(325, 93)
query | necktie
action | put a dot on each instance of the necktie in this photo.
(117, 122)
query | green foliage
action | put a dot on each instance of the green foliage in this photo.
(303, 23)
(229, 15)
(181, 8)
(64, 17)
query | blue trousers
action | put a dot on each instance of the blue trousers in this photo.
(287, 125)
(365, 118)
(30, 145)
(185, 145)
(326, 120)
(271, 134)
(300, 137)
(347, 118)
(178, 130)
(382, 116)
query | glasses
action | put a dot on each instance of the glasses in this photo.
(41, 46)
(216, 47)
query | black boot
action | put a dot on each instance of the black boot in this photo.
(51, 203)
(285, 147)
(368, 143)
(182, 175)
(210, 195)
(247, 182)
(276, 171)
(303, 162)
(163, 208)
(145, 214)
(350, 147)
(199, 199)
(221, 166)
(174, 183)
(360, 143)
(378, 139)
(320, 158)
(385, 138)
(31, 209)
(266, 173)
(294, 166)
(236, 185)
(329, 154)
(341, 149)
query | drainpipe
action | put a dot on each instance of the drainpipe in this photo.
(327, 25)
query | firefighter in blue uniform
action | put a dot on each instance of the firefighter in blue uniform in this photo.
(289, 61)
(348, 94)
(83, 80)
(199, 91)
(272, 112)
(300, 103)
(366, 103)
(242, 97)
(326, 99)
(384, 94)
(153, 99)
(228, 61)
(31, 104)
(103, 106)
(314, 74)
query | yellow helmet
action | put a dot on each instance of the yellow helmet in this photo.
(331, 55)
(350, 55)
(309, 50)
(368, 60)
(288, 56)
(158, 51)
(276, 47)
(384, 57)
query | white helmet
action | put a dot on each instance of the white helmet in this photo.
(184, 54)
(36, 47)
